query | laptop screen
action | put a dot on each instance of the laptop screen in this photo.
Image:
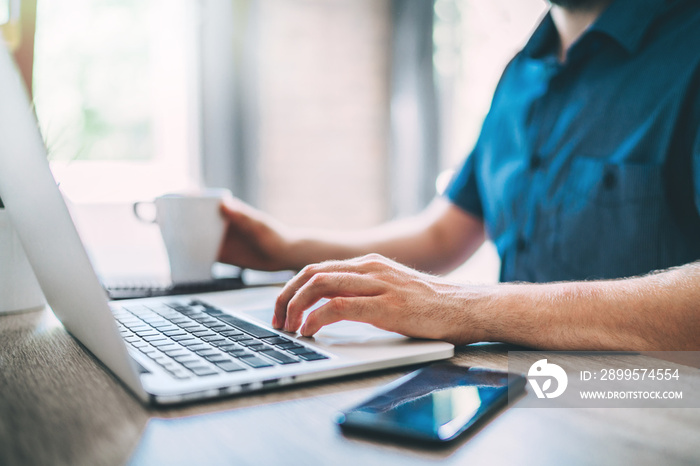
(46, 230)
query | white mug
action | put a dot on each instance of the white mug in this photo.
(192, 228)
(19, 289)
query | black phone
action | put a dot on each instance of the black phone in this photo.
(434, 404)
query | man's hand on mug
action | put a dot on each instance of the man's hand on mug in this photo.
(253, 239)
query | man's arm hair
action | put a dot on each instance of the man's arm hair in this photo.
(659, 311)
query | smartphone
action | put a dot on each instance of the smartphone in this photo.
(435, 404)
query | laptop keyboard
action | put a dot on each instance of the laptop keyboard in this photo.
(194, 339)
(151, 288)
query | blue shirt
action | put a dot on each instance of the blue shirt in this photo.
(591, 168)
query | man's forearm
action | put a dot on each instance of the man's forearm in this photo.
(436, 241)
(660, 311)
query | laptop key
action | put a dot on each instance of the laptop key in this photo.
(189, 325)
(180, 373)
(207, 352)
(238, 338)
(220, 342)
(198, 347)
(254, 361)
(162, 324)
(279, 357)
(216, 358)
(131, 322)
(153, 338)
(202, 371)
(258, 347)
(248, 342)
(186, 359)
(181, 337)
(228, 346)
(289, 345)
(312, 356)
(212, 337)
(206, 320)
(194, 328)
(277, 340)
(191, 343)
(247, 327)
(229, 366)
(189, 363)
(140, 328)
(300, 350)
(231, 332)
(179, 320)
(165, 344)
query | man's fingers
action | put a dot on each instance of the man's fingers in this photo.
(353, 266)
(328, 285)
(341, 308)
(280, 316)
(293, 285)
(231, 208)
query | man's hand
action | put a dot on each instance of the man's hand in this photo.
(380, 292)
(650, 313)
(253, 239)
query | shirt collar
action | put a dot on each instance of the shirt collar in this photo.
(543, 39)
(625, 21)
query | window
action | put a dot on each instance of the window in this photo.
(115, 91)
(288, 102)
(473, 42)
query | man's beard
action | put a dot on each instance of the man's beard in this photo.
(577, 5)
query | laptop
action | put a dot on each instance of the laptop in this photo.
(146, 287)
(168, 349)
(224, 277)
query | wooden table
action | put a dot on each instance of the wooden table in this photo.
(59, 406)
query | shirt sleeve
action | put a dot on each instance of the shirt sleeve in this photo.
(463, 190)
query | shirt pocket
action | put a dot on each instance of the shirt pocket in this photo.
(608, 223)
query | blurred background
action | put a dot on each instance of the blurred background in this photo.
(327, 113)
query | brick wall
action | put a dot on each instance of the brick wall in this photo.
(323, 72)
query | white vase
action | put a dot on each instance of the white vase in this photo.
(19, 289)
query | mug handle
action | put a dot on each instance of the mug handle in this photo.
(137, 206)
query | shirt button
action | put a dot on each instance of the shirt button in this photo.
(535, 162)
(609, 180)
(520, 244)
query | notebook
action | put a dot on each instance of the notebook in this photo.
(168, 349)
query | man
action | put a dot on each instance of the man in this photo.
(587, 167)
